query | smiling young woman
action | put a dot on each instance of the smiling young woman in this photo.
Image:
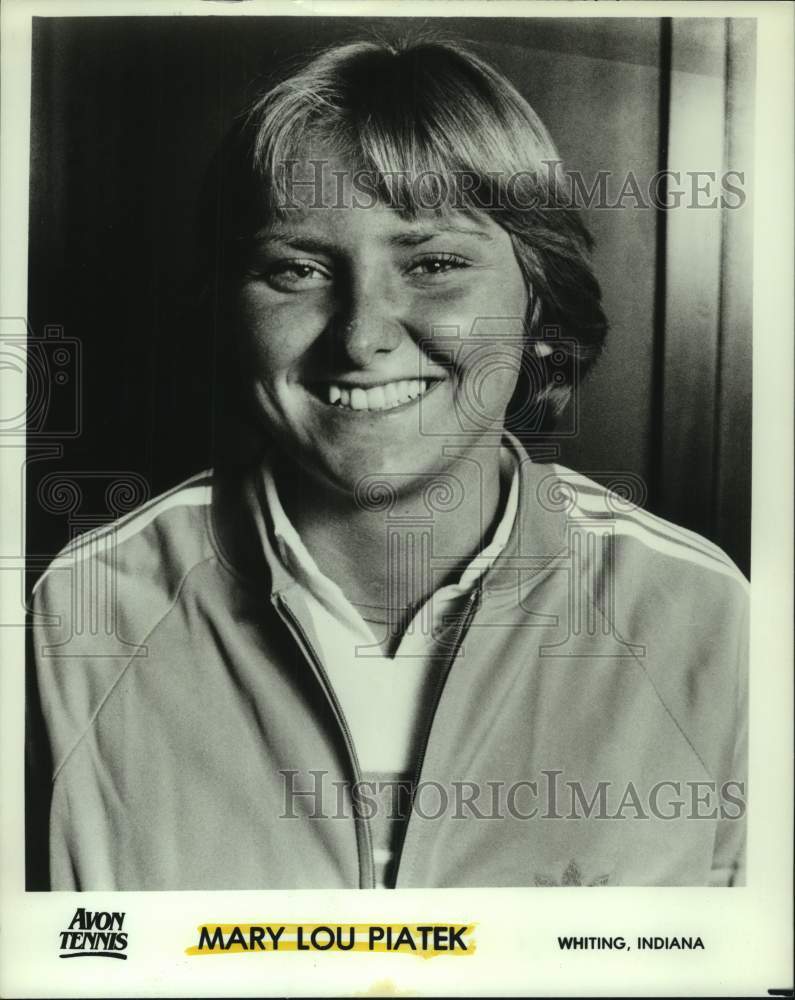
(337, 315)
(382, 655)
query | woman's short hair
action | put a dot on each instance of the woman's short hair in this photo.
(430, 125)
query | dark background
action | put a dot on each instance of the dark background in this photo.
(126, 114)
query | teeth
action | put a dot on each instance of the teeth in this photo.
(375, 398)
(379, 397)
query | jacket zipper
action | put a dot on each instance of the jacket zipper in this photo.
(463, 624)
(364, 840)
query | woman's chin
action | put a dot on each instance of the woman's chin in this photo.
(368, 480)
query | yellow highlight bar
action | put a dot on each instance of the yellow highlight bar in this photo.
(425, 940)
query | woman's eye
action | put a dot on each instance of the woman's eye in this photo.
(438, 263)
(295, 274)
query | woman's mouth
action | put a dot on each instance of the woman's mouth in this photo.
(387, 396)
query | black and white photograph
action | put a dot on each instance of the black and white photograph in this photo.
(388, 464)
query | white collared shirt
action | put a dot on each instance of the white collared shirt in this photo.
(384, 698)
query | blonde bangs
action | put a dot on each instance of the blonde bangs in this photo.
(428, 133)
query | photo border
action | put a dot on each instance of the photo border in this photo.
(748, 931)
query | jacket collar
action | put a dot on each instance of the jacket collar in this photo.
(244, 540)
(540, 530)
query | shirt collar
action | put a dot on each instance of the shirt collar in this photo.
(294, 558)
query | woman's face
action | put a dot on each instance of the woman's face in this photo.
(373, 341)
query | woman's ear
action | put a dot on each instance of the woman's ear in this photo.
(542, 348)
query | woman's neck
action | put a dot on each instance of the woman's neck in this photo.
(395, 555)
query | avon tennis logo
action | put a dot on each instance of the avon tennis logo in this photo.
(96, 934)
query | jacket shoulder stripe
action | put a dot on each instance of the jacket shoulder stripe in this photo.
(672, 543)
(652, 522)
(664, 528)
(158, 503)
(194, 492)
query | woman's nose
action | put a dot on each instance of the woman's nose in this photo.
(369, 327)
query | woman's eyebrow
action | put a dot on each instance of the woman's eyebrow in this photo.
(301, 241)
(316, 242)
(423, 236)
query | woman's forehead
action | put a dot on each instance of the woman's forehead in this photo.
(321, 188)
(316, 171)
(378, 220)
(321, 177)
